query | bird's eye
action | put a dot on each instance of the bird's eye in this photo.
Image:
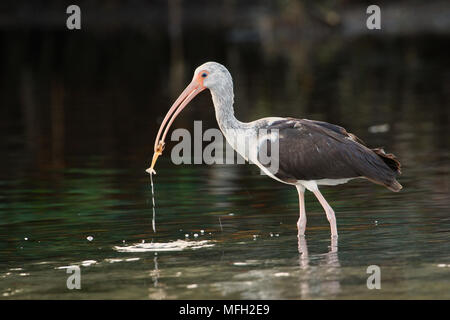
(204, 75)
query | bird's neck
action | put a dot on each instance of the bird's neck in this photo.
(223, 100)
(236, 133)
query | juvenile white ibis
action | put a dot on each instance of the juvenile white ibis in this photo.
(311, 153)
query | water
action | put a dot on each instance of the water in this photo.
(74, 192)
(254, 255)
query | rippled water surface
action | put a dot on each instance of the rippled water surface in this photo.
(222, 232)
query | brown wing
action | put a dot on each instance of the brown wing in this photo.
(337, 129)
(313, 150)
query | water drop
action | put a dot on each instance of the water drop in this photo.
(153, 202)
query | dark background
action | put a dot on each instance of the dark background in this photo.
(101, 91)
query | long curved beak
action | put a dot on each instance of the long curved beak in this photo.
(193, 89)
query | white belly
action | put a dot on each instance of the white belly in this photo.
(246, 143)
(312, 185)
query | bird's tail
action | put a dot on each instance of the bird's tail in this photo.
(395, 186)
(394, 164)
(389, 159)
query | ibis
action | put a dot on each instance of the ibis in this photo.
(310, 153)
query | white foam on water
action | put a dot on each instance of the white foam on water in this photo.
(178, 245)
(132, 259)
(11, 292)
(281, 274)
(246, 263)
(87, 263)
(113, 260)
(42, 262)
(67, 267)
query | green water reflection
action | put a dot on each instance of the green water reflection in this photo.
(255, 254)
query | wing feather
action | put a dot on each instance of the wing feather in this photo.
(313, 150)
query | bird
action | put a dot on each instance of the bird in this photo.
(309, 153)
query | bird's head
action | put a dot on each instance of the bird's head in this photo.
(210, 75)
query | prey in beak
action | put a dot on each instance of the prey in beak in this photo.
(193, 89)
(158, 151)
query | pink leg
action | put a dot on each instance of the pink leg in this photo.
(303, 251)
(301, 223)
(329, 211)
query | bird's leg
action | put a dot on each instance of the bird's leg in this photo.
(301, 223)
(334, 245)
(303, 252)
(329, 211)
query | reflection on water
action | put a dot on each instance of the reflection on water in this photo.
(76, 139)
(330, 285)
